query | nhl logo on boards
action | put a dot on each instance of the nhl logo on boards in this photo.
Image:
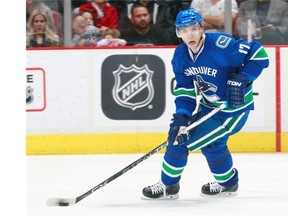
(132, 87)
(29, 95)
(130, 83)
(35, 90)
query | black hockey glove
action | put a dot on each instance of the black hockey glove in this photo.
(235, 92)
(177, 134)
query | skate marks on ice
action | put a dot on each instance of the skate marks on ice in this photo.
(263, 188)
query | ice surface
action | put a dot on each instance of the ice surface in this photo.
(263, 186)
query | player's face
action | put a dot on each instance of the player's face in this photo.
(191, 35)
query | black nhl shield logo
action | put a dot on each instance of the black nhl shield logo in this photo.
(133, 87)
(131, 82)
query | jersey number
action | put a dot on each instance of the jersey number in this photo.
(243, 48)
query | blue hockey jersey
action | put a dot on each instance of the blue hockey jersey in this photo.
(209, 70)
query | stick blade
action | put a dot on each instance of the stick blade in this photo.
(60, 202)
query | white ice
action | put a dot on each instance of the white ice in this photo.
(263, 186)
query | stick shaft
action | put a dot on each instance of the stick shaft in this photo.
(121, 172)
(207, 116)
(135, 163)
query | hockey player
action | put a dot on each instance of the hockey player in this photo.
(218, 68)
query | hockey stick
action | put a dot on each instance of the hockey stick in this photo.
(72, 201)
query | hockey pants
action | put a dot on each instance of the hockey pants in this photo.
(211, 137)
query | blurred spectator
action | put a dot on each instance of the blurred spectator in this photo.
(39, 33)
(269, 20)
(90, 36)
(111, 37)
(176, 5)
(37, 4)
(78, 27)
(212, 12)
(58, 21)
(119, 5)
(83, 34)
(239, 2)
(122, 10)
(104, 15)
(55, 5)
(88, 17)
(75, 4)
(160, 12)
(143, 32)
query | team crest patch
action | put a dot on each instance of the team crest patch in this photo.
(223, 41)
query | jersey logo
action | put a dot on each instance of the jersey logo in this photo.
(206, 88)
(223, 41)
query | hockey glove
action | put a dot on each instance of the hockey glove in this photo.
(177, 134)
(235, 92)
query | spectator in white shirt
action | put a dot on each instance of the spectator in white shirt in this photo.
(212, 12)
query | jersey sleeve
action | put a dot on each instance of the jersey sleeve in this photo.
(251, 57)
(255, 61)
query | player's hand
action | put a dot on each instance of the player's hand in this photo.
(235, 92)
(182, 136)
(177, 133)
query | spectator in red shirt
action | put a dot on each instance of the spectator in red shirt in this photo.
(105, 16)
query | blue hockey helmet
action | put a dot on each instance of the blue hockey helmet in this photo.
(188, 17)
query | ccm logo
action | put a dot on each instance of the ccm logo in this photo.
(234, 83)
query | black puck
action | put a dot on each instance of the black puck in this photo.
(63, 203)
